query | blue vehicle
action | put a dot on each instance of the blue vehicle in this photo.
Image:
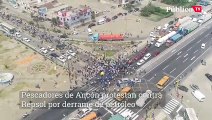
(176, 37)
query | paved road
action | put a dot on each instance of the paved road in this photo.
(180, 60)
(176, 64)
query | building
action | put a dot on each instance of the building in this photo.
(75, 16)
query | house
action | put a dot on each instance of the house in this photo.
(75, 16)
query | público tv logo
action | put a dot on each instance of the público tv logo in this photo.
(195, 8)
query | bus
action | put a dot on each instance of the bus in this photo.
(90, 116)
(121, 95)
(190, 114)
(7, 28)
(162, 82)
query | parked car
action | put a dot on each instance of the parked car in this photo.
(156, 53)
(120, 14)
(26, 39)
(140, 62)
(17, 34)
(183, 88)
(114, 17)
(108, 19)
(194, 87)
(43, 50)
(54, 55)
(126, 14)
(136, 9)
(209, 76)
(147, 56)
(129, 11)
(50, 48)
(91, 25)
(62, 58)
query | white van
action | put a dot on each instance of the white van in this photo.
(198, 95)
(143, 97)
(101, 21)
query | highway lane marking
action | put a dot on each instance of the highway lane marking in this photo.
(178, 57)
(179, 52)
(165, 67)
(196, 51)
(193, 57)
(189, 49)
(201, 32)
(185, 60)
(173, 70)
(207, 35)
(185, 69)
(173, 50)
(186, 55)
(151, 78)
(166, 57)
(199, 41)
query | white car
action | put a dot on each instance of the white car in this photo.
(203, 46)
(140, 62)
(51, 48)
(73, 54)
(17, 34)
(70, 52)
(43, 50)
(26, 39)
(62, 58)
(147, 56)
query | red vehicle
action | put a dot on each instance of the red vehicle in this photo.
(137, 56)
(156, 53)
(112, 37)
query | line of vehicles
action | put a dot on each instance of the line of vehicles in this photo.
(170, 34)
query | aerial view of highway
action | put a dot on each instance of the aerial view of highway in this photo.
(105, 59)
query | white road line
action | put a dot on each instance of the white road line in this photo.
(207, 35)
(150, 79)
(196, 51)
(173, 50)
(178, 57)
(189, 49)
(201, 32)
(185, 60)
(165, 67)
(186, 55)
(173, 70)
(199, 41)
(193, 57)
(179, 52)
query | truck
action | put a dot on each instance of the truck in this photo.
(164, 38)
(183, 31)
(204, 2)
(191, 27)
(176, 37)
(111, 37)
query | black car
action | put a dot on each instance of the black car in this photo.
(136, 9)
(209, 76)
(114, 17)
(129, 11)
(91, 25)
(183, 88)
(54, 55)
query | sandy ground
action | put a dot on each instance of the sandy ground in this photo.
(29, 69)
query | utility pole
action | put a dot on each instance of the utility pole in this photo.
(69, 72)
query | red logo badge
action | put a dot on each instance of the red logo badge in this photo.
(197, 9)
